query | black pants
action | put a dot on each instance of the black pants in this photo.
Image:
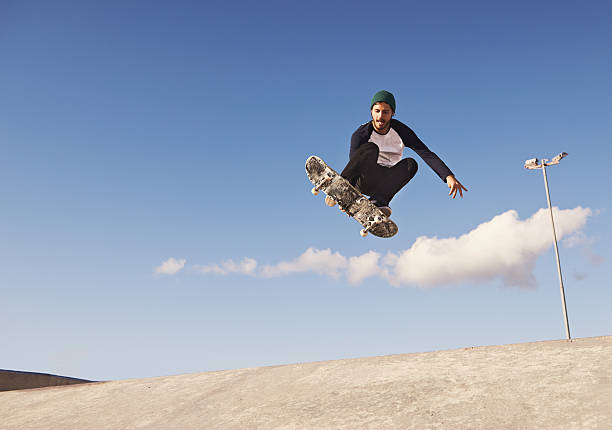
(379, 182)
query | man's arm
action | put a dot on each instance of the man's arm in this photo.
(412, 141)
(359, 137)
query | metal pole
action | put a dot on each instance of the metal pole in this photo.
(552, 221)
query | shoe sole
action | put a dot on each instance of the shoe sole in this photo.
(386, 210)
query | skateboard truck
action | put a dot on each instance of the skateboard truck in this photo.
(377, 220)
(324, 181)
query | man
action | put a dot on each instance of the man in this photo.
(376, 166)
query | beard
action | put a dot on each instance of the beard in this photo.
(381, 128)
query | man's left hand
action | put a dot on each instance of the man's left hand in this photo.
(454, 186)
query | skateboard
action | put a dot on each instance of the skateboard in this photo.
(348, 198)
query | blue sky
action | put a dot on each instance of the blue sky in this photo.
(136, 132)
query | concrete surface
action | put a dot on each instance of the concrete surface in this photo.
(14, 380)
(542, 385)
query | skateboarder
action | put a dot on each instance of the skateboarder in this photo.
(375, 164)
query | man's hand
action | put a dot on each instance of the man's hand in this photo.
(454, 186)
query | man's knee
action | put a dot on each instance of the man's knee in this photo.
(406, 169)
(367, 150)
(412, 166)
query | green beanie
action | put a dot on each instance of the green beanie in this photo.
(383, 96)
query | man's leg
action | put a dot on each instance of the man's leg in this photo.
(359, 169)
(362, 170)
(378, 182)
(392, 179)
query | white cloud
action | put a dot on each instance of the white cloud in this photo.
(170, 267)
(577, 239)
(504, 248)
(246, 266)
(313, 260)
(581, 240)
(363, 266)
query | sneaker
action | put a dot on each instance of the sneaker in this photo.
(385, 209)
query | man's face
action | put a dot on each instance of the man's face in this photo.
(381, 117)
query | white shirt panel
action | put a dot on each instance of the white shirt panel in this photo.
(391, 147)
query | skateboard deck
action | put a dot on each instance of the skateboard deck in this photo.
(348, 198)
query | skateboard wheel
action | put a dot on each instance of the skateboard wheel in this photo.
(363, 232)
(314, 191)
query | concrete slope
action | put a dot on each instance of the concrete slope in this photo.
(542, 385)
(14, 380)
